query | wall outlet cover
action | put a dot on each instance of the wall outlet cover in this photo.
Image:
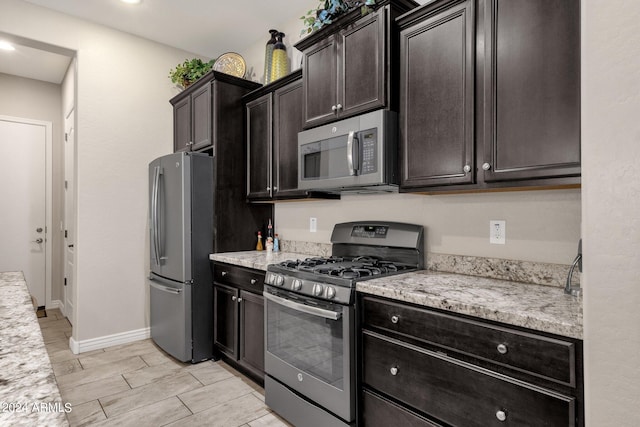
(497, 232)
(313, 224)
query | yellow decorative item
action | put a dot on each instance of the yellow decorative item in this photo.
(230, 63)
(279, 61)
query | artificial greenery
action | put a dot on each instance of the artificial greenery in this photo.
(189, 71)
(329, 10)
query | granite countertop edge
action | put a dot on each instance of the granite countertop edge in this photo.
(536, 307)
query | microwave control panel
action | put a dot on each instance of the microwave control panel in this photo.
(368, 143)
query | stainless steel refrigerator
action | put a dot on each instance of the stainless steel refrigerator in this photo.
(181, 239)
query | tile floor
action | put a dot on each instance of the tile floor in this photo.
(137, 384)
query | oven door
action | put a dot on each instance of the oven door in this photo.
(310, 349)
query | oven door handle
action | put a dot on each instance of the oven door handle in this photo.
(320, 312)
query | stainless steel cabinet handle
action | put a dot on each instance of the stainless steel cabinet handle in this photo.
(339, 107)
(394, 370)
(394, 319)
(486, 166)
(268, 188)
(502, 349)
(224, 273)
(233, 298)
(334, 108)
(466, 169)
(239, 300)
(253, 281)
(275, 188)
(501, 415)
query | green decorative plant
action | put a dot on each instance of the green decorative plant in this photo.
(329, 10)
(189, 71)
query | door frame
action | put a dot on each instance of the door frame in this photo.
(48, 197)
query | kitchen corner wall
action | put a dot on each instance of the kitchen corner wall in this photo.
(124, 121)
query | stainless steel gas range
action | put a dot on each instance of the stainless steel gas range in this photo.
(310, 324)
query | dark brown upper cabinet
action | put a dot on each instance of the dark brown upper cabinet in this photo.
(490, 95)
(273, 121)
(348, 66)
(203, 110)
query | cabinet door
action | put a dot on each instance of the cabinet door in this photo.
(225, 315)
(252, 331)
(362, 65)
(288, 121)
(201, 118)
(258, 115)
(182, 125)
(532, 89)
(320, 82)
(437, 99)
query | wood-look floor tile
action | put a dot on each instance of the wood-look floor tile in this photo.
(66, 367)
(209, 372)
(173, 385)
(148, 375)
(100, 372)
(159, 357)
(86, 414)
(113, 354)
(77, 394)
(156, 414)
(215, 394)
(269, 420)
(135, 347)
(233, 413)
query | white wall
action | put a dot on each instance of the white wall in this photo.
(611, 210)
(40, 100)
(124, 121)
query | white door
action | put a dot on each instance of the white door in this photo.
(69, 216)
(23, 193)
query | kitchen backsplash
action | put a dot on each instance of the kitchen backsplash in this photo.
(506, 269)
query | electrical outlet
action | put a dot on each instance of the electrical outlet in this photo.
(498, 232)
(313, 224)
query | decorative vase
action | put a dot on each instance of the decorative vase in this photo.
(268, 55)
(279, 61)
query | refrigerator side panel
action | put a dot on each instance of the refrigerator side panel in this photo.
(175, 223)
(171, 317)
(202, 169)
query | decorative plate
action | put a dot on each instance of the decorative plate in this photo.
(230, 63)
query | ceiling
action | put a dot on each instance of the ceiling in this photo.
(198, 26)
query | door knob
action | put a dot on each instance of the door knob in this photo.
(38, 240)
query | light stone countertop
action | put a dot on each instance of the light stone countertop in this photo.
(537, 307)
(29, 393)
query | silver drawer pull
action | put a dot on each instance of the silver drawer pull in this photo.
(253, 281)
(394, 319)
(224, 273)
(233, 298)
(394, 370)
(239, 300)
(501, 416)
(502, 349)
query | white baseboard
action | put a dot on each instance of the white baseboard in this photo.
(56, 303)
(78, 347)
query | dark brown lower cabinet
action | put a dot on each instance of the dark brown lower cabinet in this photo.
(239, 317)
(412, 375)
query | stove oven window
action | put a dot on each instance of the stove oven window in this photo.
(310, 343)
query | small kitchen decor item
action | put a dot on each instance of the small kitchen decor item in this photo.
(231, 63)
(259, 244)
(268, 52)
(189, 71)
(329, 10)
(279, 59)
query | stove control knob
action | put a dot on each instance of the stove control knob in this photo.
(331, 292)
(296, 285)
(318, 289)
(277, 280)
(268, 279)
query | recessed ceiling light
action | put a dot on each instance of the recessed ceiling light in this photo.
(131, 1)
(6, 45)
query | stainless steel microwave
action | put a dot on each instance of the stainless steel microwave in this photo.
(355, 154)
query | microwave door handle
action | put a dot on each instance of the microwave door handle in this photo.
(315, 311)
(352, 156)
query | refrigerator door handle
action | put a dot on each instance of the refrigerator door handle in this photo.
(166, 288)
(155, 227)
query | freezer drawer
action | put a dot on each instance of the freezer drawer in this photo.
(171, 317)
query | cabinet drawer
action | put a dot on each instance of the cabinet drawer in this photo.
(245, 278)
(458, 393)
(549, 358)
(379, 412)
